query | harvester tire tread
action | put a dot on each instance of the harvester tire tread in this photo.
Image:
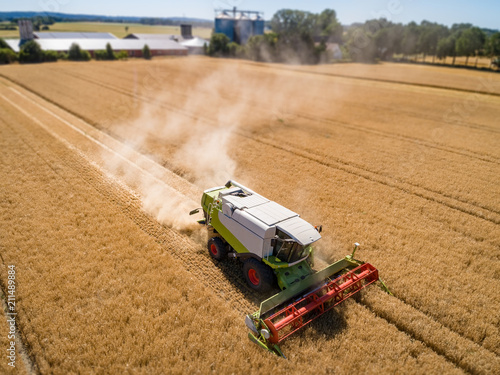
(217, 248)
(258, 276)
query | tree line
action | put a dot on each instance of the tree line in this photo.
(301, 37)
(381, 39)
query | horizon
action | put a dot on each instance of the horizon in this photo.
(481, 14)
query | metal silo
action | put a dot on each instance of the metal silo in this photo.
(225, 24)
(258, 25)
(244, 29)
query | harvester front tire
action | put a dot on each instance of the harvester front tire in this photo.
(259, 276)
(216, 248)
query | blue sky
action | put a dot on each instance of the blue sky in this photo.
(483, 13)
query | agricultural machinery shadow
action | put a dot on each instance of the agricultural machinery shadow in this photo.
(232, 269)
(328, 325)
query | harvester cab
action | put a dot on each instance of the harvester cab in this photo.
(276, 247)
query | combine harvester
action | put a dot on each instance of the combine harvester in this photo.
(275, 245)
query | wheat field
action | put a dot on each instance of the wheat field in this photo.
(101, 162)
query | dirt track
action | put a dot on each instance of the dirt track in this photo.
(405, 190)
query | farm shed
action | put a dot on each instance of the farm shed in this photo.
(132, 46)
(73, 35)
(173, 37)
(195, 46)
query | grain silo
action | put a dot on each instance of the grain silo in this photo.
(257, 25)
(224, 24)
(243, 29)
(25, 30)
(239, 25)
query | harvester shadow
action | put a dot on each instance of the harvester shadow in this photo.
(232, 269)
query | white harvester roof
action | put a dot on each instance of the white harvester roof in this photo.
(269, 214)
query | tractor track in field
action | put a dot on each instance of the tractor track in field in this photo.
(384, 179)
(354, 127)
(420, 142)
(358, 128)
(381, 80)
(447, 200)
(182, 247)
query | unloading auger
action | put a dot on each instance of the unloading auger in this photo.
(275, 245)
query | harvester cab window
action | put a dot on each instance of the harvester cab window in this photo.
(286, 249)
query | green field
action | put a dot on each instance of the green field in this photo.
(117, 29)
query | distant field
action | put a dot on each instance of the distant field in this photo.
(117, 29)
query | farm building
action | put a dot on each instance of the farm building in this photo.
(195, 46)
(138, 36)
(186, 34)
(133, 47)
(62, 41)
(72, 35)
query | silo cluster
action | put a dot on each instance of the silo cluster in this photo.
(239, 26)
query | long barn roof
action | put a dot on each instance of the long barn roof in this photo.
(73, 35)
(100, 44)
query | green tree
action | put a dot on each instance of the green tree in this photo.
(122, 55)
(388, 40)
(430, 34)
(446, 47)
(31, 52)
(3, 44)
(7, 56)
(296, 31)
(288, 22)
(75, 53)
(410, 39)
(50, 56)
(327, 25)
(493, 46)
(110, 54)
(262, 47)
(146, 52)
(218, 45)
(470, 43)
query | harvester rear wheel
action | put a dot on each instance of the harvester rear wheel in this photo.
(258, 276)
(216, 248)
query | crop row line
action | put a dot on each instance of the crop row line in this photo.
(390, 81)
(421, 142)
(319, 157)
(375, 177)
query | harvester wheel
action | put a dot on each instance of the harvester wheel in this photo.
(216, 248)
(259, 276)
